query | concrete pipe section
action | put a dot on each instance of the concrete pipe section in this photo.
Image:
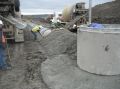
(98, 50)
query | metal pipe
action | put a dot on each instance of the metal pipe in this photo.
(90, 11)
(7, 20)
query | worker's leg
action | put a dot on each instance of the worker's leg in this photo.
(35, 35)
(3, 64)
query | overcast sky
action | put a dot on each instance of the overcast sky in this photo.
(50, 6)
(53, 4)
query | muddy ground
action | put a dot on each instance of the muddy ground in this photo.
(26, 59)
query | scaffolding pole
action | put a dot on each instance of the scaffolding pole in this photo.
(90, 11)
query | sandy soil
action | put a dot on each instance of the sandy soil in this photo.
(26, 59)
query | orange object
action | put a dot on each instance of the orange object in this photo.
(3, 39)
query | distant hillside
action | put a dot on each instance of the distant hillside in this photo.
(38, 18)
(109, 11)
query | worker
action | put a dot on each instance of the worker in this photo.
(35, 30)
(3, 64)
(41, 30)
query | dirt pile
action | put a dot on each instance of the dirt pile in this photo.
(60, 42)
(108, 12)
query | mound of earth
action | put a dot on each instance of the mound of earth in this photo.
(60, 42)
(108, 12)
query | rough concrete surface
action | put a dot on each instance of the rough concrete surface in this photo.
(98, 52)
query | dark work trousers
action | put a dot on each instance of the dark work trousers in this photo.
(3, 64)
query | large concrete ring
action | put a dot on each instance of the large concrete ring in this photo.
(98, 51)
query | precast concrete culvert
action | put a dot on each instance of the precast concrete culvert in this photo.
(99, 49)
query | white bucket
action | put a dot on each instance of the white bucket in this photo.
(45, 32)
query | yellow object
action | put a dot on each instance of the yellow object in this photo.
(36, 28)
